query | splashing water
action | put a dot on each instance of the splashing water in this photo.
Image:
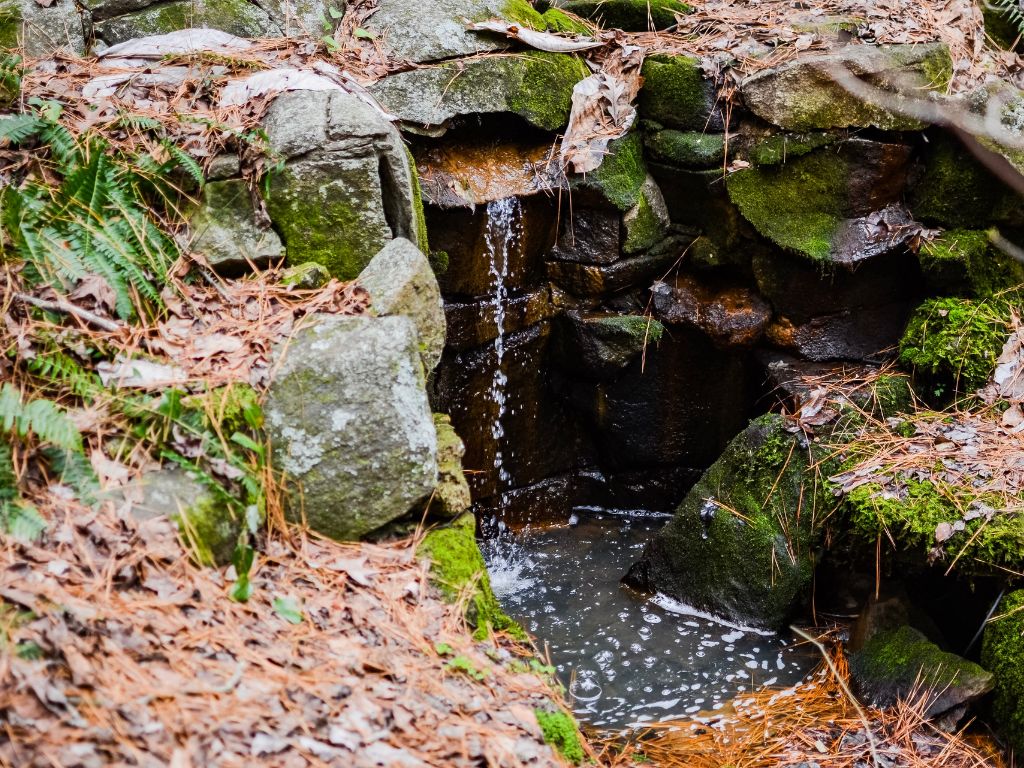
(504, 229)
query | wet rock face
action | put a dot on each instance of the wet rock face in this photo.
(347, 186)
(730, 316)
(351, 427)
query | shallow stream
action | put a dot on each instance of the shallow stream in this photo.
(629, 659)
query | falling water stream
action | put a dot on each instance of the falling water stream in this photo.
(628, 659)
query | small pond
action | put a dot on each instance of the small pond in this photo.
(629, 659)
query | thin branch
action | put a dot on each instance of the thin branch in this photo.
(59, 305)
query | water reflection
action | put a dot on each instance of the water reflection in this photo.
(629, 659)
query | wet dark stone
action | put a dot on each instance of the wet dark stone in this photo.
(472, 323)
(548, 502)
(854, 334)
(652, 489)
(599, 345)
(599, 280)
(540, 436)
(732, 316)
(588, 236)
(462, 234)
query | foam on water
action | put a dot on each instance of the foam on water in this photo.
(629, 659)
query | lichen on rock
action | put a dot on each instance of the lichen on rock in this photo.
(237, 17)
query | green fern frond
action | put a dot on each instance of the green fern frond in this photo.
(8, 477)
(19, 128)
(21, 520)
(42, 418)
(185, 161)
(57, 367)
(74, 470)
(1012, 10)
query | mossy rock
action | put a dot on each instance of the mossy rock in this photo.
(237, 17)
(1000, 27)
(306, 277)
(646, 223)
(451, 496)
(562, 733)
(557, 20)
(629, 15)
(963, 262)
(894, 665)
(621, 176)
(602, 345)
(535, 85)
(953, 343)
(38, 30)
(675, 93)
(781, 147)
(686, 148)
(741, 545)
(1002, 651)
(458, 566)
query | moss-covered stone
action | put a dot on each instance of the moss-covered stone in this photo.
(798, 205)
(963, 262)
(894, 664)
(557, 20)
(741, 544)
(686, 148)
(237, 17)
(621, 175)
(629, 15)
(210, 530)
(522, 13)
(953, 343)
(561, 732)
(535, 85)
(422, 238)
(451, 496)
(600, 345)
(458, 569)
(38, 30)
(224, 228)
(1002, 651)
(999, 26)
(646, 223)
(780, 147)
(306, 276)
(675, 93)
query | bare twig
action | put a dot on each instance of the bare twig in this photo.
(59, 305)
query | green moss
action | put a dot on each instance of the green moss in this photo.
(780, 147)
(799, 205)
(954, 190)
(457, 566)
(891, 394)
(10, 25)
(621, 175)
(419, 217)
(210, 529)
(686, 148)
(557, 20)
(644, 227)
(999, 27)
(306, 276)
(674, 92)
(1002, 652)
(561, 732)
(963, 262)
(629, 15)
(955, 342)
(451, 495)
(522, 13)
(545, 82)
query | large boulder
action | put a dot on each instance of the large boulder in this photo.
(741, 545)
(400, 281)
(803, 94)
(676, 94)
(534, 85)
(41, 29)
(347, 187)
(351, 427)
(236, 17)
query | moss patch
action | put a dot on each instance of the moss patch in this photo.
(953, 343)
(963, 262)
(686, 148)
(458, 566)
(629, 15)
(1002, 651)
(237, 17)
(544, 95)
(561, 732)
(799, 205)
(674, 92)
(10, 25)
(621, 175)
(419, 217)
(522, 13)
(780, 147)
(557, 20)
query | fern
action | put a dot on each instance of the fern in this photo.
(8, 477)
(56, 367)
(186, 162)
(19, 128)
(1012, 10)
(42, 418)
(74, 469)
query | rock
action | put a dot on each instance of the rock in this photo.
(400, 282)
(741, 543)
(676, 94)
(603, 279)
(629, 15)
(963, 262)
(306, 277)
(350, 425)
(620, 177)
(434, 30)
(472, 323)
(546, 502)
(780, 147)
(451, 495)
(646, 223)
(225, 231)
(830, 206)
(731, 316)
(41, 30)
(206, 524)
(534, 85)
(1002, 651)
(236, 17)
(686, 148)
(599, 345)
(302, 18)
(347, 187)
(589, 235)
(853, 334)
(802, 95)
(897, 664)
